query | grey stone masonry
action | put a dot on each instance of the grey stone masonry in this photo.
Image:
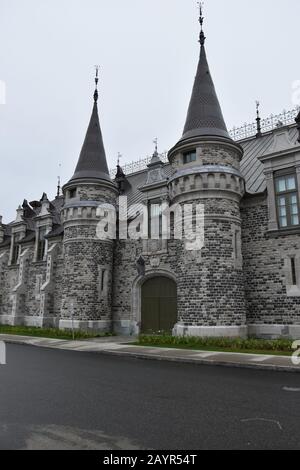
(88, 260)
(210, 281)
(273, 303)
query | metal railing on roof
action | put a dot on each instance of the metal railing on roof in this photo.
(274, 121)
(237, 133)
(138, 165)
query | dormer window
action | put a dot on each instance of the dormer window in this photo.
(287, 199)
(189, 157)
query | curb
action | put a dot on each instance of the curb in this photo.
(150, 357)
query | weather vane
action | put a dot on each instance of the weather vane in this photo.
(201, 21)
(155, 141)
(258, 120)
(257, 108)
(96, 94)
(201, 18)
(59, 181)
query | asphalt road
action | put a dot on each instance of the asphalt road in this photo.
(52, 399)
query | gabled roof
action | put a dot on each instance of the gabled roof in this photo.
(251, 167)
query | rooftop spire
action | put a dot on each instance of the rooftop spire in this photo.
(92, 161)
(96, 94)
(204, 116)
(119, 158)
(155, 141)
(258, 120)
(58, 182)
(201, 21)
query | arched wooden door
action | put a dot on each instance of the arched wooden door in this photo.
(159, 305)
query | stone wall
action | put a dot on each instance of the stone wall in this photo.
(273, 304)
(24, 296)
(160, 259)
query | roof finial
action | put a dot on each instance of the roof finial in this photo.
(155, 141)
(201, 21)
(96, 94)
(258, 120)
(59, 182)
(119, 158)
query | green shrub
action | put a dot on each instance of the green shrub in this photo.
(48, 332)
(251, 344)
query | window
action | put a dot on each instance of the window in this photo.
(16, 249)
(189, 157)
(41, 244)
(72, 193)
(287, 200)
(102, 279)
(155, 220)
(294, 273)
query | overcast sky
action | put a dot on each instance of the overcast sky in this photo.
(148, 52)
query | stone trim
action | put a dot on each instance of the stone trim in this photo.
(291, 289)
(40, 322)
(274, 331)
(19, 291)
(211, 331)
(101, 325)
(48, 287)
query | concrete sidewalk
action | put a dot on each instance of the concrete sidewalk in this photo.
(120, 346)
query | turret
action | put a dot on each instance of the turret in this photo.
(206, 164)
(88, 259)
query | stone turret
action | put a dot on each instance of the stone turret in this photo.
(88, 259)
(206, 164)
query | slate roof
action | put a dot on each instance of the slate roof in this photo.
(92, 161)
(55, 209)
(204, 117)
(251, 167)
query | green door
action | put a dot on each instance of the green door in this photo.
(159, 305)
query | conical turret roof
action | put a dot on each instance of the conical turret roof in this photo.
(204, 117)
(92, 161)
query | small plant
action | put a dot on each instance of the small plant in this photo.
(49, 332)
(218, 344)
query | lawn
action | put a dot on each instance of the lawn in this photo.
(48, 332)
(280, 347)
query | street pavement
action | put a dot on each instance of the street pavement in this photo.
(122, 346)
(58, 399)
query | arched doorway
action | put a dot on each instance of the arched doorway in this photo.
(159, 305)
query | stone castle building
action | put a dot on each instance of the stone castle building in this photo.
(56, 271)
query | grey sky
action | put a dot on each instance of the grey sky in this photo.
(148, 52)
